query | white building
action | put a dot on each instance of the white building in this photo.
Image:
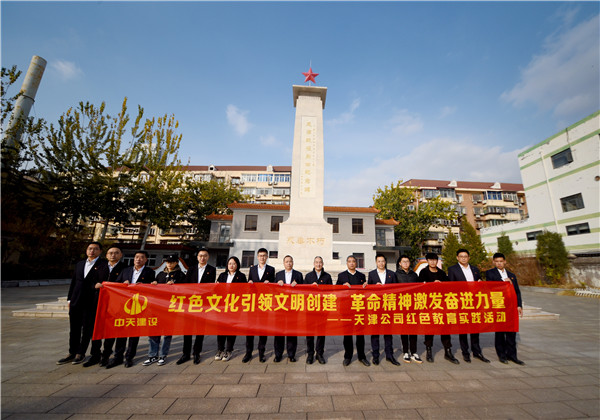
(561, 178)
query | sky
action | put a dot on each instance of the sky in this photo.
(430, 90)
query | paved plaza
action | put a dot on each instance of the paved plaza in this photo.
(561, 378)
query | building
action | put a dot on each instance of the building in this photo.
(356, 231)
(483, 204)
(562, 183)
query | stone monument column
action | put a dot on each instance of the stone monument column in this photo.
(306, 234)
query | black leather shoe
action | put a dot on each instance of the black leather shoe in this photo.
(277, 359)
(375, 361)
(196, 359)
(78, 359)
(65, 360)
(247, 358)
(114, 362)
(429, 355)
(393, 361)
(321, 359)
(128, 363)
(262, 358)
(310, 359)
(517, 361)
(481, 357)
(364, 362)
(346, 362)
(292, 359)
(503, 360)
(450, 357)
(92, 361)
(467, 358)
(104, 362)
(184, 358)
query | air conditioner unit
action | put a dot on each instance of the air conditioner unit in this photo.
(274, 182)
(241, 182)
(270, 182)
(440, 240)
(257, 195)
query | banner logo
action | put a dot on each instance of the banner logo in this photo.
(133, 305)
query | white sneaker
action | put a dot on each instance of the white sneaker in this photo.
(162, 361)
(415, 358)
(219, 355)
(226, 356)
(406, 358)
(150, 361)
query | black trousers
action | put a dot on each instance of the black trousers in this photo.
(406, 347)
(388, 343)
(310, 345)
(291, 343)
(97, 351)
(464, 343)
(187, 344)
(506, 345)
(222, 339)
(446, 341)
(131, 347)
(262, 344)
(81, 328)
(349, 347)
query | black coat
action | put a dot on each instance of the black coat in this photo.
(404, 277)
(146, 276)
(209, 275)
(268, 275)
(296, 276)
(494, 275)
(117, 269)
(425, 275)
(239, 277)
(176, 276)
(83, 288)
(311, 278)
(344, 277)
(455, 273)
(390, 277)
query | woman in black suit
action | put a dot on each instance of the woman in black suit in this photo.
(231, 275)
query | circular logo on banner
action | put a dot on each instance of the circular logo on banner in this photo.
(133, 305)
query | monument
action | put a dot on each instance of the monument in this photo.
(306, 234)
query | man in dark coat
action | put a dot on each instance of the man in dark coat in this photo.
(404, 274)
(506, 342)
(291, 277)
(463, 271)
(82, 302)
(317, 276)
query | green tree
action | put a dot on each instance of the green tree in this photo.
(552, 256)
(505, 246)
(393, 202)
(451, 245)
(471, 241)
(202, 198)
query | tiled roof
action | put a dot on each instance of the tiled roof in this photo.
(388, 222)
(192, 168)
(326, 209)
(432, 183)
(219, 217)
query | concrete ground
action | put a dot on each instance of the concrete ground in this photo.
(561, 378)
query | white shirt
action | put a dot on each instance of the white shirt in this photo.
(110, 267)
(230, 277)
(467, 272)
(136, 275)
(318, 274)
(261, 271)
(200, 272)
(503, 274)
(288, 277)
(381, 276)
(88, 266)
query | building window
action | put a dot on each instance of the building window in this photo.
(224, 233)
(357, 226)
(360, 259)
(578, 229)
(477, 198)
(562, 158)
(273, 254)
(493, 195)
(247, 259)
(431, 193)
(336, 256)
(249, 177)
(532, 236)
(380, 237)
(265, 177)
(335, 222)
(275, 221)
(572, 202)
(282, 178)
(251, 222)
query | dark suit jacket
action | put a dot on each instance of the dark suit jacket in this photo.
(425, 275)
(455, 273)
(494, 275)
(238, 278)
(269, 274)
(176, 276)
(117, 269)
(344, 277)
(404, 277)
(390, 277)
(296, 276)
(209, 275)
(83, 288)
(146, 276)
(312, 278)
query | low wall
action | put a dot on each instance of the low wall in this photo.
(586, 270)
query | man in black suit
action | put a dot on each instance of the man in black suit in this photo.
(290, 277)
(138, 273)
(115, 266)
(197, 274)
(348, 278)
(266, 274)
(463, 271)
(381, 276)
(506, 342)
(317, 276)
(82, 302)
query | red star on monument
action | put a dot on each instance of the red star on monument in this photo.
(310, 76)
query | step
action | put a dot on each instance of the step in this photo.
(36, 313)
(53, 306)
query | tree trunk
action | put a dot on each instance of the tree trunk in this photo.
(104, 229)
(146, 233)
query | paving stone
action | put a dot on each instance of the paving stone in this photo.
(305, 404)
(206, 406)
(584, 392)
(156, 406)
(390, 376)
(547, 394)
(506, 410)
(263, 378)
(252, 405)
(245, 390)
(173, 379)
(551, 410)
(214, 378)
(31, 377)
(578, 369)
(588, 407)
(246, 368)
(463, 385)
(372, 388)
(34, 416)
(358, 402)
(404, 401)
(348, 377)
(220, 417)
(456, 399)
(580, 380)
(135, 391)
(184, 391)
(502, 396)
(128, 378)
(31, 390)
(542, 371)
(329, 389)
(470, 374)
(282, 390)
(278, 416)
(163, 416)
(545, 382)
(434, 375)
(30, 404)
(285, 366)
(100, 417)
(507, 372)
(84, 390)
(306, 378)
(87, 405)
(392, 414)
(84, 378)
(505, 383)
(419, 387)
(335, 415)
(445, 413)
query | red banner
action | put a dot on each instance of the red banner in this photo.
(305, 310)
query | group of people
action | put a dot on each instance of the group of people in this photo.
(92, 272)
